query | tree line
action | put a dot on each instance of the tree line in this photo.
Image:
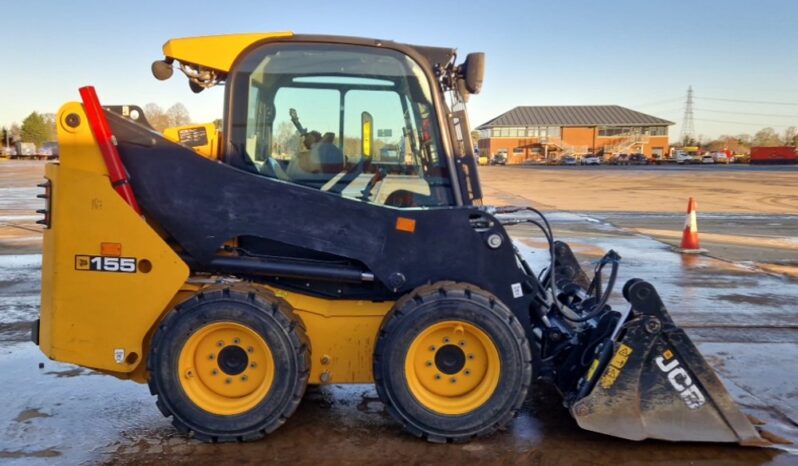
(742, 143)
(39, 128)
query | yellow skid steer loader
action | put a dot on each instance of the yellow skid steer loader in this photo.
(332, 231)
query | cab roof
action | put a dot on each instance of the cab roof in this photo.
(220, 52)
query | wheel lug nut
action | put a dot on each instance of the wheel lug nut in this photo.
(467, 372)
(446, 339)
(437, 377)
(250, 349)
(244, 378)
(189, 373)
(211, 356)
(428, 363)
(228, 380)
(432, 348)
(253, 365)
(220, 343)
(453, 380)
(236, 341)
(214, 372)
(471, 356)
(462, 343)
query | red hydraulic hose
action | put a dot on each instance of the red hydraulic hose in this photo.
(105, 140)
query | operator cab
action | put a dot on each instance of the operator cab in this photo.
(285, 96)
(358, 118)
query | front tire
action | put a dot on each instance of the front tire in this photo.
(452, 363)
(229, 364)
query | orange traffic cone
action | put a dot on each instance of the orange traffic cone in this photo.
(690, 242)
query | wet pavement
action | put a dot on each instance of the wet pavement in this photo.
(744, 321)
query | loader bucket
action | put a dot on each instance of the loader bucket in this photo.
(657, 385)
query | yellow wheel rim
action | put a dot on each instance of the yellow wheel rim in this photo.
(226, 368)
(452, 367)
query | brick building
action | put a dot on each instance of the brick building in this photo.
(548, 132)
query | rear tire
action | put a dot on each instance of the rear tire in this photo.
(452, 362)
(229, 364)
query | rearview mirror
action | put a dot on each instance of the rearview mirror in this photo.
(366, 133)
(474, 70)
(162, 70)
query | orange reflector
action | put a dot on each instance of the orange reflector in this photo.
(408, 225)
(111, 249)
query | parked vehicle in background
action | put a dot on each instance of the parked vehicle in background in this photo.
(482, 160)
(659, 159)
(25, 149)
(782, 154)
(591, 159)
(499, 158)
(568, 160)
(51, 147)
(619, 159)
(720, 157)
(683, 157)
(707, 158)
(638, 159)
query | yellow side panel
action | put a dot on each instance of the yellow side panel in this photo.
(342, 336)
(93, 318)
(216, 52)
(78, 149)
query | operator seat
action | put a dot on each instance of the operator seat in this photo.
(330, 158)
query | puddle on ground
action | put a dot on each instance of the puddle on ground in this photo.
(30, 413)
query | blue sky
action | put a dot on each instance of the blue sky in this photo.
(640, 54)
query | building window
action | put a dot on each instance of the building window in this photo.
(512, 132)
(658, 130)
(532, 132)
(616, 131)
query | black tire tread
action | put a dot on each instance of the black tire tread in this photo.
(284, 315)
(457, 290)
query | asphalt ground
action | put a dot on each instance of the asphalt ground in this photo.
(742, 318)
(745, 213)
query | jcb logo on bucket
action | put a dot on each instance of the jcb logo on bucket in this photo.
(680, 380)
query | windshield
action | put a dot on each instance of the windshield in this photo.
(348, 120)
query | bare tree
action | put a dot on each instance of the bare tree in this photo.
(286, 140)
(791, 136)
(156, 116)
(15, 132)
(49, 120)
(766, 137)
(178, 115)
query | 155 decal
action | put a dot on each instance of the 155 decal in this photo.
(105, 264)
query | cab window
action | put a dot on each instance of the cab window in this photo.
(352, 121)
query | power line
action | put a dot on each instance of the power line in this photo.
(660, 102)
(746, 113)
(741, 101)
(741, 123)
